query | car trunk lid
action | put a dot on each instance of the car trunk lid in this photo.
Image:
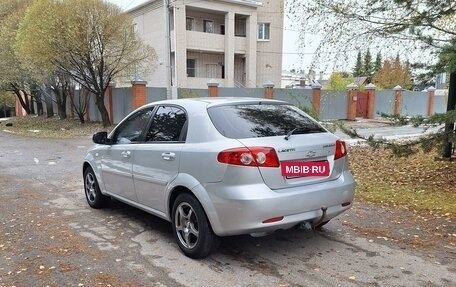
(301, 148)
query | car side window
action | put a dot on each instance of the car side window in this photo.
(131, 130)
(167, 125)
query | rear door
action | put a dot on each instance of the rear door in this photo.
(156, 161)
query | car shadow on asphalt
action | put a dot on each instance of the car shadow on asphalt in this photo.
(239, 247)
(281, 241)
(140, 217)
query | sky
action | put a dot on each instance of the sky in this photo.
(290, 59)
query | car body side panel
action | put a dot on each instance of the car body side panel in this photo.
(200, 127)
(93, 158)
(155, 166)
(116, 169)
(200, 160)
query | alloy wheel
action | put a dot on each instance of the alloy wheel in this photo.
(90, 185)
(186, 223)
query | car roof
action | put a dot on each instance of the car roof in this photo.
(215, 101)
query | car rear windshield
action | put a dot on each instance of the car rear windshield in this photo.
(261, 120)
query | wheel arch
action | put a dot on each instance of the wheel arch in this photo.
(175, 192)
(202, 196)
(85, 166)
(88, 164)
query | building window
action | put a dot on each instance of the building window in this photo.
(190, 24)
(208, 26)
(191, 68)
(263, 31)
(222, 29)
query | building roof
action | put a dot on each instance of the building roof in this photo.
(252, 3)
(245, 2)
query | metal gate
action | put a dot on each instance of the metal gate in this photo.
(361, 104)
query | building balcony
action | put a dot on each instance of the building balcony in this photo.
(209, 42)
(201, 83)
(200, 41)
(240, 45)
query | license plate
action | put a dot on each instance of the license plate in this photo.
(304, 169)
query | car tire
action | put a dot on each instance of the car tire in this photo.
(191, 227)
(92, 190)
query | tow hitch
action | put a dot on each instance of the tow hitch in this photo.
(306, 225)
(322, 218)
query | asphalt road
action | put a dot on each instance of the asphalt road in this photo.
(49, 236)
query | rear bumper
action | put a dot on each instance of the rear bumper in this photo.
(241, 209)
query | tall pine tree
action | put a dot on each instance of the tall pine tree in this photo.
(368, 66)
(378, 63)
(358, 70)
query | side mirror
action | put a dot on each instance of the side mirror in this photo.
(101, 138)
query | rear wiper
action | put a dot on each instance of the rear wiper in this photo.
(290, 133)
(305, 130)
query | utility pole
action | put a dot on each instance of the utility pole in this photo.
(169, 70)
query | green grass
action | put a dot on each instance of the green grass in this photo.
(43, 127)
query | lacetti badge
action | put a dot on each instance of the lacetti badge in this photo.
(302, 169)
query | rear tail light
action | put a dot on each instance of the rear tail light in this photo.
(252, 156)
(341, 149)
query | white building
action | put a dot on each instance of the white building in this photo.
(236, 42)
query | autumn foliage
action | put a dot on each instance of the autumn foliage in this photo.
(392, 74)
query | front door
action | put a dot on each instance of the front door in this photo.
(117, 159)
(116, 165)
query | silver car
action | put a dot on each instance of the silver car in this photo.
(221, 166)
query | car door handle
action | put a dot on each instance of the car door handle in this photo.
(168, 155)
(126, 154)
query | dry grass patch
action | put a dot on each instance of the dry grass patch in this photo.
(418, 183)
(43, 127)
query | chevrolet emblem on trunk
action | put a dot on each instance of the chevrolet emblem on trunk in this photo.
(311, 153)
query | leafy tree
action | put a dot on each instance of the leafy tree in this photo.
(7, 99)
(428, 26)
(91, 41)
(339, 81)
(358, 70)
(12, 76)
(391, 74)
